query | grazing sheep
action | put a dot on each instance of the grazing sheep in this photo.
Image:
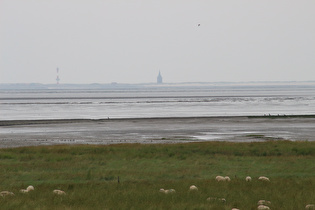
(310, 206)
(162, 190)
(172, 191)
(263, 207)
(167, 191)
(235, 209)
(227, 179)
(23, 191)
(30, 188)
(220, 178)
(193, 188)
(248, 179)
(263, 202)
(5, 193)
(263, 178)
(59, 192)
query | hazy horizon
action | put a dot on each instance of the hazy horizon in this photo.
(164, 83)
(196, 84)
(129, 42)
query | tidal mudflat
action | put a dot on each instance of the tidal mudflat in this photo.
(156, 130)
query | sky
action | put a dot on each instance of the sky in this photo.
(130, 41)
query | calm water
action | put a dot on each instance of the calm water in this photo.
(163, 101)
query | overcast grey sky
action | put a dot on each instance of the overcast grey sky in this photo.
(129, 41)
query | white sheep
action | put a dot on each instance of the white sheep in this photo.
(263, 178)
(30, 188)
(5, 193)
(193, 188)
(167, 191)
(263, 202)
(248, 179)
(263, 207)
(24, 191)
(235, 209)
(222, 200)
(310, 206)
(220, 178)
(227, 179)
(59, 192)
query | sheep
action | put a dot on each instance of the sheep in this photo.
(263, 178)
(263, 202)
(227, 179)
(5, 193)
(23, 191)
(193, 188)
(310, 206)
(220, 178)
(172, 191)
(162, 190)
(30, 188)
(59, 192)
(167, 191)
(248, 179)
(235, 209)
(222, 200)
(263, 207)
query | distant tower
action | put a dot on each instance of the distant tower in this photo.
(57, 79)
(159, 78)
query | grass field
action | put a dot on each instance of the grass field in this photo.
(89, 175)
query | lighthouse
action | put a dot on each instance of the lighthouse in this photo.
(159, 78)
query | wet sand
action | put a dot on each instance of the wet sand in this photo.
(155, 130)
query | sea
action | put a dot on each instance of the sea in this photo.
(156, 101)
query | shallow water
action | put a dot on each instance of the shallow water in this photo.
(163, 101)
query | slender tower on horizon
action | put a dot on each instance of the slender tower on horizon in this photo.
(159, 79)
(57, 79)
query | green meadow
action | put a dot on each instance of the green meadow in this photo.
(129, 176)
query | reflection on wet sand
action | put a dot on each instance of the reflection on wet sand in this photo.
(155, 130)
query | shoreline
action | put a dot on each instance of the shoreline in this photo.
(58, 121)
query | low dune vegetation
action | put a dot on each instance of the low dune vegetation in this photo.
(132, 176)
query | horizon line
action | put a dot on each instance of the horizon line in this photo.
(154, 83)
